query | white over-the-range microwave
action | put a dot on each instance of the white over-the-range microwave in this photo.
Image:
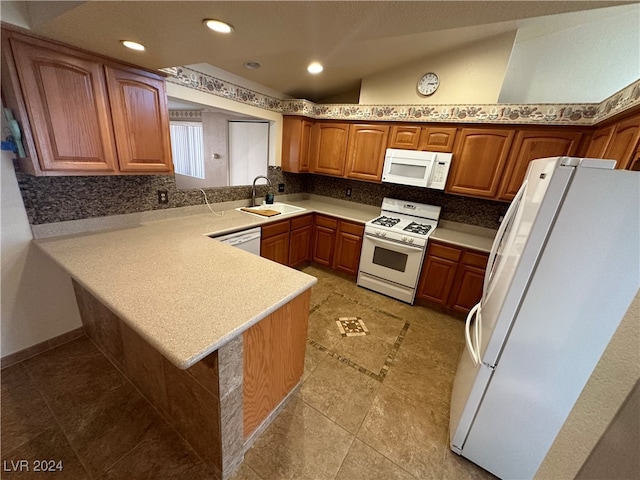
(416, 168)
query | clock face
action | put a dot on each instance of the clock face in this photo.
(428, 84)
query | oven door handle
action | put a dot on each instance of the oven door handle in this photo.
(395, 245)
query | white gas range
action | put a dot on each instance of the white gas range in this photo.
(393, 248)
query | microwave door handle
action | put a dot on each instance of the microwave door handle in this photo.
(395, 245)
(513, 208)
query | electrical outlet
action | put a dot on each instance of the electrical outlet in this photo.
(281, 188)
(163, 196)
(348, 192)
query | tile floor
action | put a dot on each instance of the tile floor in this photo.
(371, 406)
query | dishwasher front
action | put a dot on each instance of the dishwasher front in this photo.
(247, 240)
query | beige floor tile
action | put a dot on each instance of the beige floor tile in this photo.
(407, 432)
(312, 358)
(430, 385)
(364, 463)
(300, 444)
(322, 329)
(340, 392)
(245, 472)
(436, 347)
(456, 467)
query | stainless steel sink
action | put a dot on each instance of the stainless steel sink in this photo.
(283, 208)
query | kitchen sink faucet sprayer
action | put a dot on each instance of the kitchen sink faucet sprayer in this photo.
(253, 188)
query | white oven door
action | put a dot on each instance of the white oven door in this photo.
(391, 261)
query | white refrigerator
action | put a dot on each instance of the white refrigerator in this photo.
(563, 270)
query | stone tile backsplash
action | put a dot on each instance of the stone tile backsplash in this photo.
(58, 199)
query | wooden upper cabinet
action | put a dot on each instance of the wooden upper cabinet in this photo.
(83, 114)
(599, 142)
(296, 143)
(140, 120)
(405, 137)
(530, 145)
(329, 145)
(366, 150)
(624, 141)
(437, 139)
(67, 107)
(479, 158)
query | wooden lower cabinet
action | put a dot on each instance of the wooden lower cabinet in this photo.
(451, 277)
(274, 243)
(348, 246)
(324, 239)
(300, 240)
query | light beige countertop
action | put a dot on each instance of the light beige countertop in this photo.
(185, 293)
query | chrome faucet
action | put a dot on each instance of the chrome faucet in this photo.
(253, 188)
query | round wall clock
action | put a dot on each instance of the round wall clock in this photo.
(428, 84)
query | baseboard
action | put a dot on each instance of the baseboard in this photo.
(41, 347)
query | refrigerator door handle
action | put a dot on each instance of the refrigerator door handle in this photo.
(475, 357)
(512, 210)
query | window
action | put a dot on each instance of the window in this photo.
(187, 147)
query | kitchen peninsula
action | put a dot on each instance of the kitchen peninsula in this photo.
(191, 321)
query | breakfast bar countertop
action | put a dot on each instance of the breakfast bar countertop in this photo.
(186, 294)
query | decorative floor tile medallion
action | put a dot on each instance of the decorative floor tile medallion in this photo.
(351, 327)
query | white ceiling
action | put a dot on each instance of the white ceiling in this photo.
(352, 39)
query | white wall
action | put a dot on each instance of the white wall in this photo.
(575, 64)
(472, 74)
(37, 299)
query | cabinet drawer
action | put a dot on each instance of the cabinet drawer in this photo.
(326, 222)
(442, 251)
(352, 228)
(302, 221)
(277, 228)
(475, 259)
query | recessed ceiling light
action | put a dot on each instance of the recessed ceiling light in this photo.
(252, 65)
(132, 45)
(315, 68)
(218, 26)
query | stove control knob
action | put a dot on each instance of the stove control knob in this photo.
(383, 234)
(410, 239)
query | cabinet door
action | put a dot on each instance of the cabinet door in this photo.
(437, 139)
(530, 145)
(599, 142)
(367, 146)
(467, 289)
(276, 248)
(405, 137)
(324, 239)
(296, 138)
(436, 279)
(624, 141)
(300, 240)
(67, 106)
(140, 121)
(479, 158)
(348, 247)
(329, 142)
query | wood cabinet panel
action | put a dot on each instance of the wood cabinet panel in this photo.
(530, 145)
(479, 158)
(329, 145)
(274, 242)
(436, 279)
(140, 121)
(599, 142)
(366, 150)
(273, 360)
(296, 144)
(467, 289)
(300, 240)
(624, 141)
(406, 137)
(67, 105)
(324, 239)
(348, 247)
(437, 139)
